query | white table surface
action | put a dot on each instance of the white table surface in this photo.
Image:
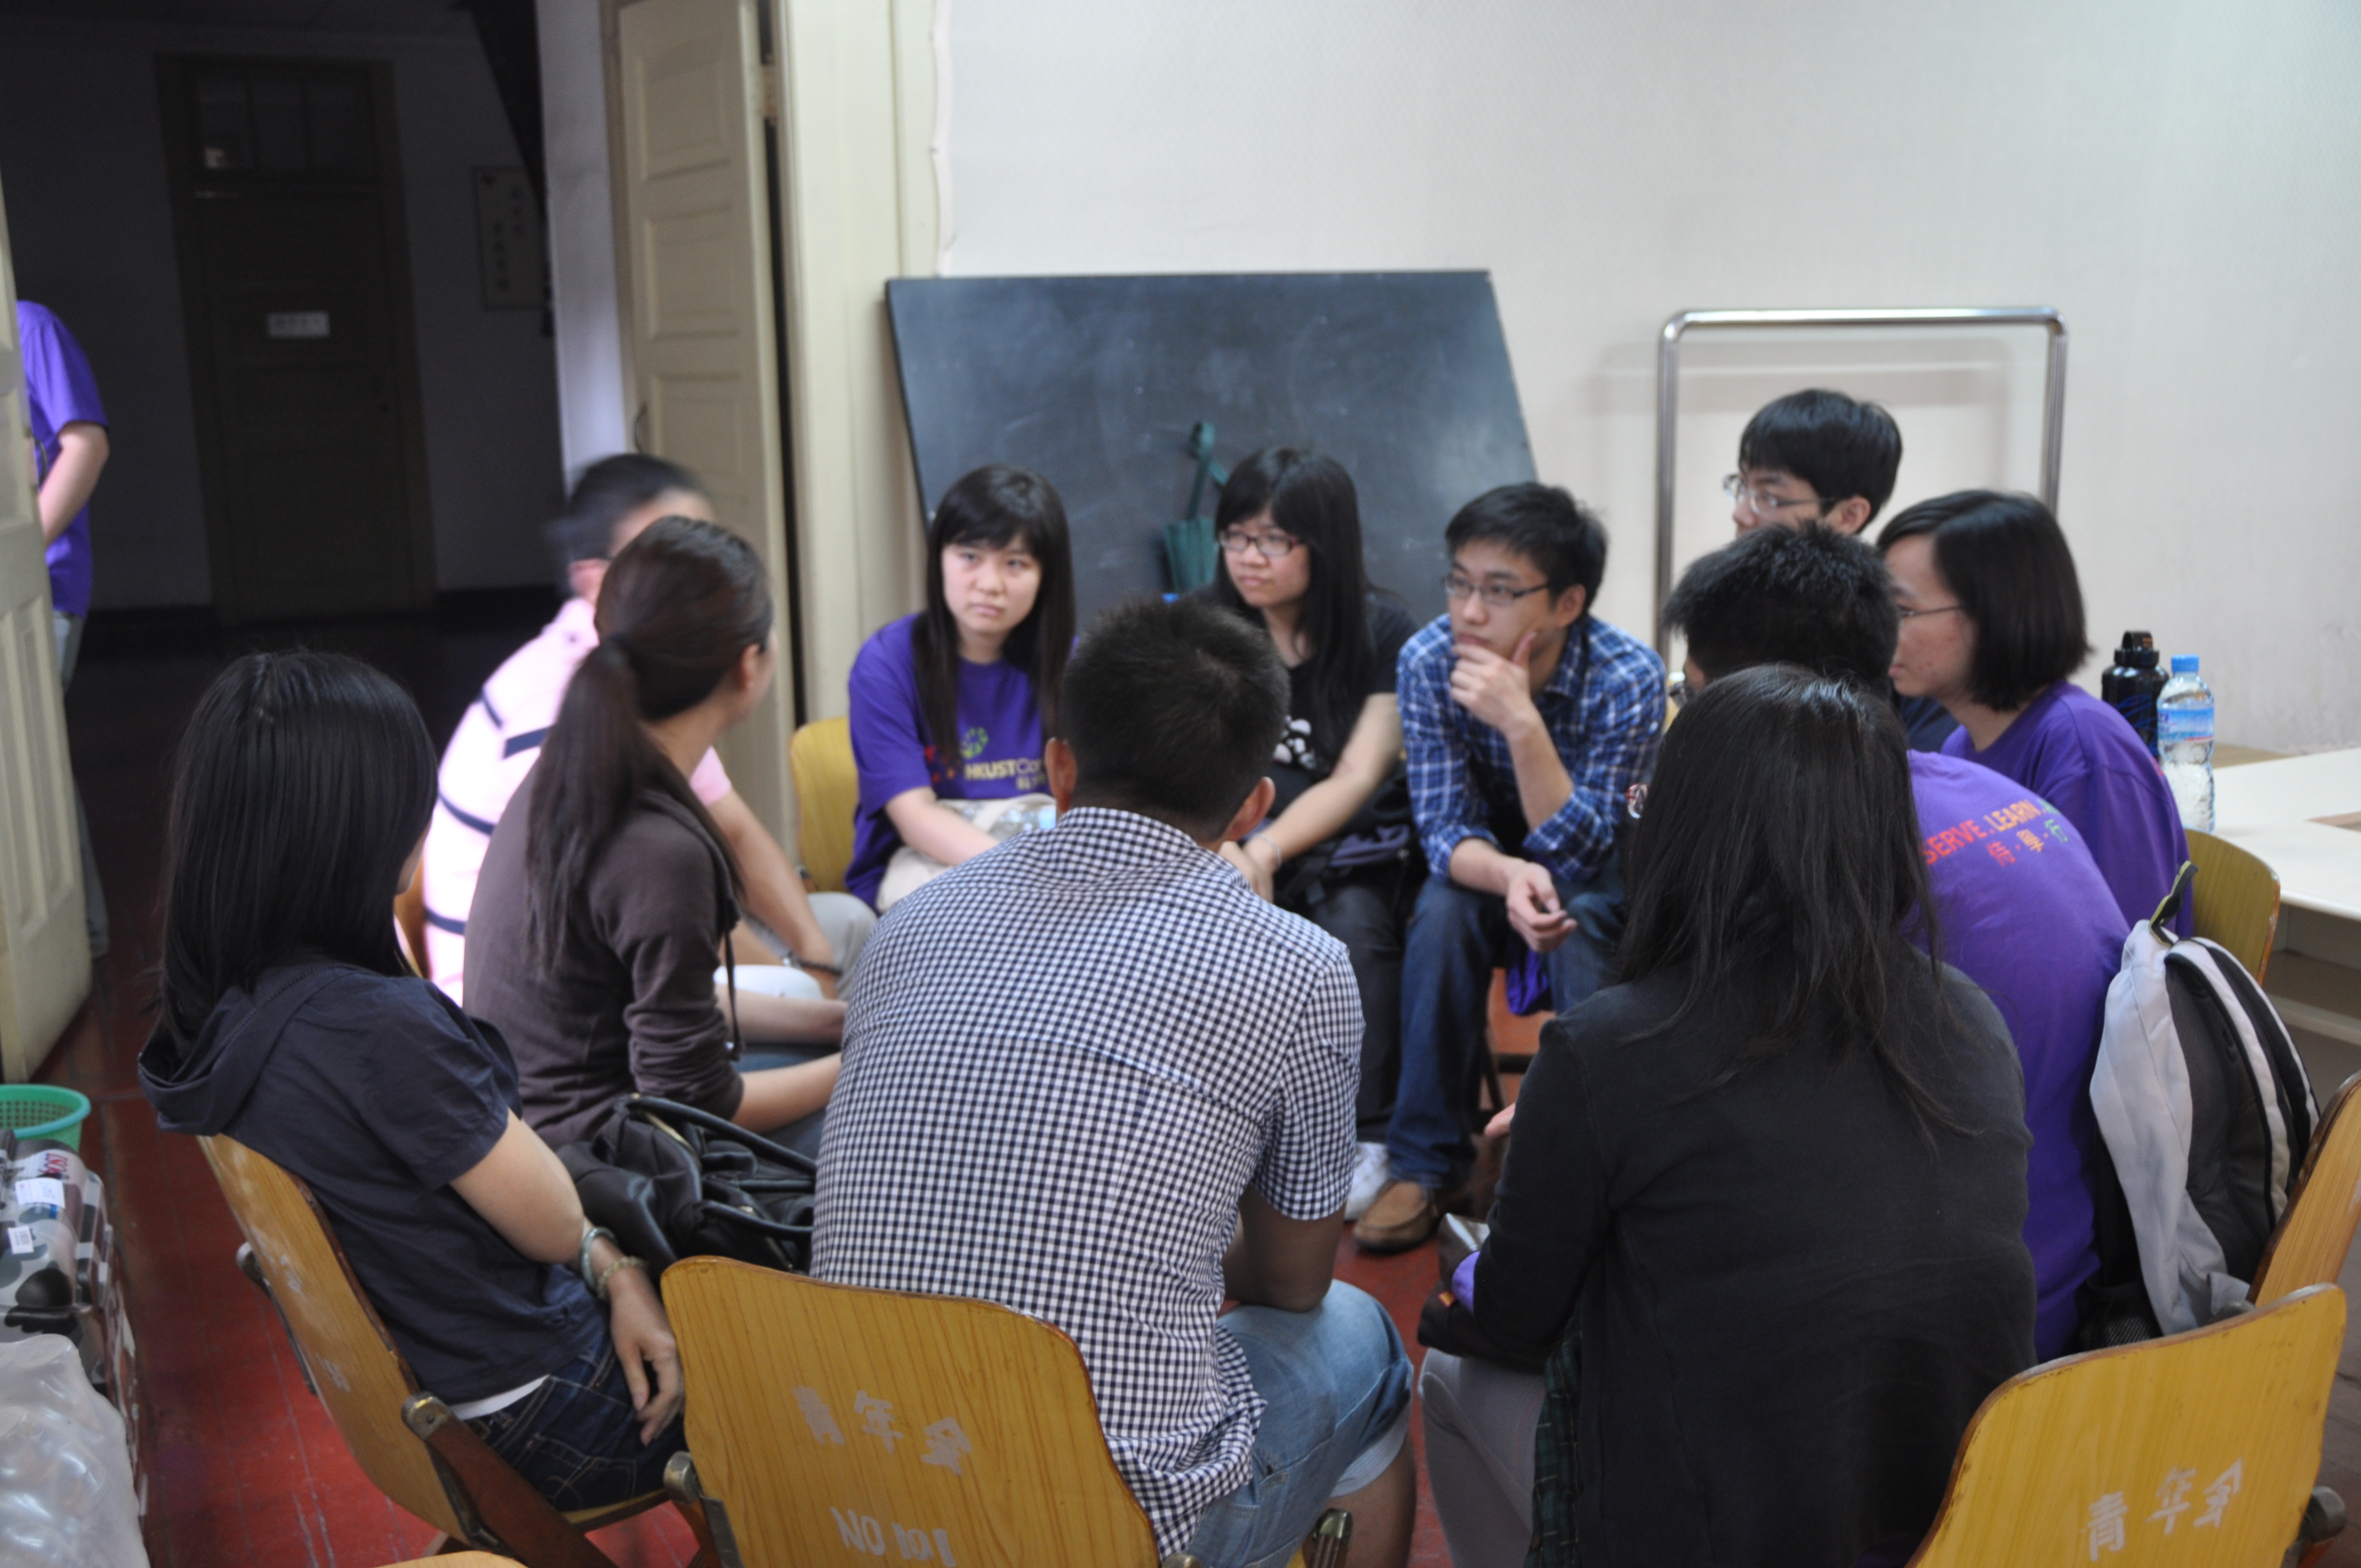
(2273, 808)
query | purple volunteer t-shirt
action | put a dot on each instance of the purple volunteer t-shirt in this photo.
(2085, 758)
(2022, 910)
(1000, 744)
(58, 391)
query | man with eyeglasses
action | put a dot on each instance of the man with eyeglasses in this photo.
(1820, 456)
(1526, 719)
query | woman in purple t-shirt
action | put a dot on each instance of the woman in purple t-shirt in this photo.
(954, 703)
(1992, 626)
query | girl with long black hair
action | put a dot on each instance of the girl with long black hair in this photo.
(955, 704)
(602, 905)
(290, 1023)
(1764, 1208)
(1339, 848)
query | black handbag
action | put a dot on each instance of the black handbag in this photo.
(672, 1181)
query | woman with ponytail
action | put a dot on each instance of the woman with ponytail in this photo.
(290, 1023)
(953, 704)
(603, 904)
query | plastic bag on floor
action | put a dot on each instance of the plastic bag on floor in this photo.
(65, 1475)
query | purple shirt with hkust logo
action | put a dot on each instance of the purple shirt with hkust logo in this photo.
(59, 391)
(1000, 744)
(2022, 909)
(2085, 759)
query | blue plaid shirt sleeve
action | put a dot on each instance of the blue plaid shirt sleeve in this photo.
(1444, 796)
(1622, 724)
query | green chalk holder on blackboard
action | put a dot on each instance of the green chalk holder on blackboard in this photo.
(1190, 549)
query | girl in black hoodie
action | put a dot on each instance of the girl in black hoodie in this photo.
(290, 1023)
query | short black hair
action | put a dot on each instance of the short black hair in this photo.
(1805, 596)
(609, 491)
(1173, 711)
(1544, 524)
(1839, 448)
(300, 786)
(2004, 559)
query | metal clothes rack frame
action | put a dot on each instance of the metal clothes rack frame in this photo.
(1668, 391)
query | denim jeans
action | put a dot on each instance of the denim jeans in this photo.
(577, 1439)
(1367, 911)
(1456, 938)
(803, 1136)
(1335, 1383)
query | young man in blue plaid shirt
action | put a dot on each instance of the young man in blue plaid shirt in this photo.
(1526, 718)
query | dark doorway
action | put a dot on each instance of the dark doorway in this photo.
(295, 286)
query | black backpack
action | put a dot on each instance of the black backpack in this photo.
(2190, 1041)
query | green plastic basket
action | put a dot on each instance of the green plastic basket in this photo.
(41, 1111)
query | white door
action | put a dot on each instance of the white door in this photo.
(44, 948)
(703, 339)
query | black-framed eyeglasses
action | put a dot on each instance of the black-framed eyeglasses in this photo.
(1272, 546)
(1930, 609)
(1499, 596)
(1763, 503)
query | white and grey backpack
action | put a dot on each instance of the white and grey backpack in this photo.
(2206, 1114)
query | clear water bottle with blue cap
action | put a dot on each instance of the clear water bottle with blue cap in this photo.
(2184, 739)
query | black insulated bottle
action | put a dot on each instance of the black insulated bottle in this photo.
(2130, 688)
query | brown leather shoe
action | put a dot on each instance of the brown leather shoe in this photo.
(1404, 1215)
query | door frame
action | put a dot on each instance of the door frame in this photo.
(175, 76)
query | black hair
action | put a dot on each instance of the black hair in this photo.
(681, 605)
(1839, 448)
(2005, 561)
(1312, 497)
(1563, 537)
(301, 783)
(1172, 711)
(609, 491)
(1805, 596)
(1779, 854)
(994, 506)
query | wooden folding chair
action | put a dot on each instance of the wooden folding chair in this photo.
(827, 792)
(2236, 901)
(2316, 1231)
(825, 1420)
(2197, 1449)
(406, 1441)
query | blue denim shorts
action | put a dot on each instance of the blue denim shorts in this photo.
(1335, 1384)
(576, 1438)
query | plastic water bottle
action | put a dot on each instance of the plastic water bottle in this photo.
(2185, 736)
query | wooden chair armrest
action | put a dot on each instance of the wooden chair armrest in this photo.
(504, 1502)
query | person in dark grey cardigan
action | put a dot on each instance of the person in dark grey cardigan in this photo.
(603, 903)
(1762, 1209)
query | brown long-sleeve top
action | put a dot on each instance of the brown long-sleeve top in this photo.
(630, 1005)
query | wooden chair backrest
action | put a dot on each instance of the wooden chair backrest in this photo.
(827, 792)
(2316, 1231)
(409, 920)
(828, 1420)
(362, 1378)
(2129, 1450)
(2236, 901)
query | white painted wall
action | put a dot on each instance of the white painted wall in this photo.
(2178, 178)
(91, 225)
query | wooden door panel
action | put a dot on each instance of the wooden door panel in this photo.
(704, 344)
(44, 946)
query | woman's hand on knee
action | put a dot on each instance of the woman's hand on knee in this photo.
(643, 1344)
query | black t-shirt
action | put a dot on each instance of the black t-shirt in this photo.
(1297, 764)
(377, 1091)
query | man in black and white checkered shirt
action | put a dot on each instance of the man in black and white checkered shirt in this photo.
(1090, 1076)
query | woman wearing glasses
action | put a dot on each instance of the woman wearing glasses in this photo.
(1992, 626)
(1338, 849)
